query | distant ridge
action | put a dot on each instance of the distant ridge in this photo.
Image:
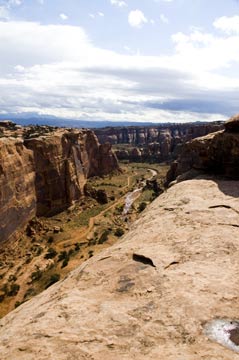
(25, 120)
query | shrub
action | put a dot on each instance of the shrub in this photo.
(119, 232)
(30, 292)
(50, 240)
(104, 237)
(12, 278)
(53, 279)
(77, 247)
(65, 262)
(63, 255)
(91, 253)
(50, 254)
(36, 275)
(14, 288)
(142, 206)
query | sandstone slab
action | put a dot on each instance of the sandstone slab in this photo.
(148, 296)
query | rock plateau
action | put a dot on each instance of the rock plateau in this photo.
(148, 296)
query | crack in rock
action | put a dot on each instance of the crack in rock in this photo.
(143, 259)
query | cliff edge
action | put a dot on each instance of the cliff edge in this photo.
(43, 171)
(148, 296)
(216, 153)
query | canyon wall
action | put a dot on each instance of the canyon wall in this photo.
(161, 142)
(63, 162)
(46, 172)
(17, 189)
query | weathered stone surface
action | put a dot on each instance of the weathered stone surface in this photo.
(148, 296)
(216, 153)
(232, 125)
(17, 190)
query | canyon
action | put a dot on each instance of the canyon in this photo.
(158, 143)
(153, 293)
(44, 171)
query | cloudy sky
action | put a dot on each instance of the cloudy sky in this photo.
(135, 60)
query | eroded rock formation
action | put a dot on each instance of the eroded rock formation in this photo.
(46, 172)
(148, 296)
(17, 190)
(160, 142)
(216, 153)
(64, 160)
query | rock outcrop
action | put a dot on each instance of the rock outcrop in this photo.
(148, 296)
(160, 142)
(17, 190)
(64, 161)
(216, 153)
(46, 172)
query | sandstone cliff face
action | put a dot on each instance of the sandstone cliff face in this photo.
(216, 153)
(17, 190)
(167, 137)
(46, 174)
(148, 296)
(64, 160)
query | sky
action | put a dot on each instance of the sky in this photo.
(120, 60)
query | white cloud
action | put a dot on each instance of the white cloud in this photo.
(101, 14)
(63, 16)
(4, 13)
(19, 68)
(164, 19)
(6, 8)
(92, 16)
(119, 3)
(227, 24)
(137, 18)
(15, 2)
(56, 70)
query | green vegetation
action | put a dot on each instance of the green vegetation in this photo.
(36, 275)
(142, 206)
(14, 288)
(53, 279)
(51, 253)
(119, 232)
(104, 237)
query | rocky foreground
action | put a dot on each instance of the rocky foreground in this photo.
(148, 296)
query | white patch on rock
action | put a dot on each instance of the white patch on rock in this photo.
(221, 330)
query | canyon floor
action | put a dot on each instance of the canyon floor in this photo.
(52, 247)
(149, 295)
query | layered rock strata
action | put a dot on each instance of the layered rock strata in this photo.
(63, 161)
(17, 189)
(216, 153)
(160, 142)
(45, 174)
(148, 296)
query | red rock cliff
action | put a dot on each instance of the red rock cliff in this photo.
(216, 153)
(46, 174)
(17, 190)
(64, 160)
